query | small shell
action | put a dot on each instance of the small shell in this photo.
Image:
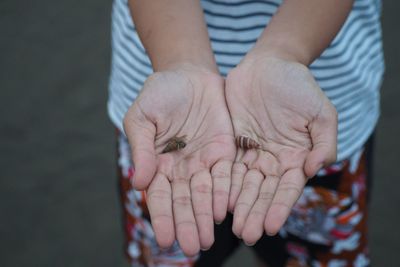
(246, 142)
(175, 143)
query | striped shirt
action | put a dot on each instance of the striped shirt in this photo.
(349, 71)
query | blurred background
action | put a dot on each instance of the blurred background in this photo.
(59, 201)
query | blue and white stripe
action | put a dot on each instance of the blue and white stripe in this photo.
(349, 71)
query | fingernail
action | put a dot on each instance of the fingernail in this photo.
(218, 222)
(249, 244)
(320, 166)
(270, 233)
(133, 178)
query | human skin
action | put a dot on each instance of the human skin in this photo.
(273, 98)
(186, 97)
(188, 189)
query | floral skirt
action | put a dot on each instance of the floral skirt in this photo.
(327, 226)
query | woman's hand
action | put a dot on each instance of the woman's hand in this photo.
(187, 189)
(278, 104)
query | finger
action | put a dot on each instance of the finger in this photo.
(185, 224)
(141, 133)
(288, 192)
(201, 190)
(221, 177)
(239, 169)
(159, 203)
(250, 191)
(323, 132)
(254, 226)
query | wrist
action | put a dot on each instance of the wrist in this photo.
(189, 66)
(191, 70)
(281, 50)
(184, 56)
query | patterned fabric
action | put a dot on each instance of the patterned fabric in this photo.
(349, 71)
(327, 227)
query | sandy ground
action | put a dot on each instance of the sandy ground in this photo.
(59, 203)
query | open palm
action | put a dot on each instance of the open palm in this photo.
(187, 189)
(279, 105)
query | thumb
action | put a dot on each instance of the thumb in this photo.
(323, 132)
(141, 133)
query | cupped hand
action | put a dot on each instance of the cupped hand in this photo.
(187, 188)
(278, 104)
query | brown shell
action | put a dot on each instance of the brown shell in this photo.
(246, 142)
(175, 143)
